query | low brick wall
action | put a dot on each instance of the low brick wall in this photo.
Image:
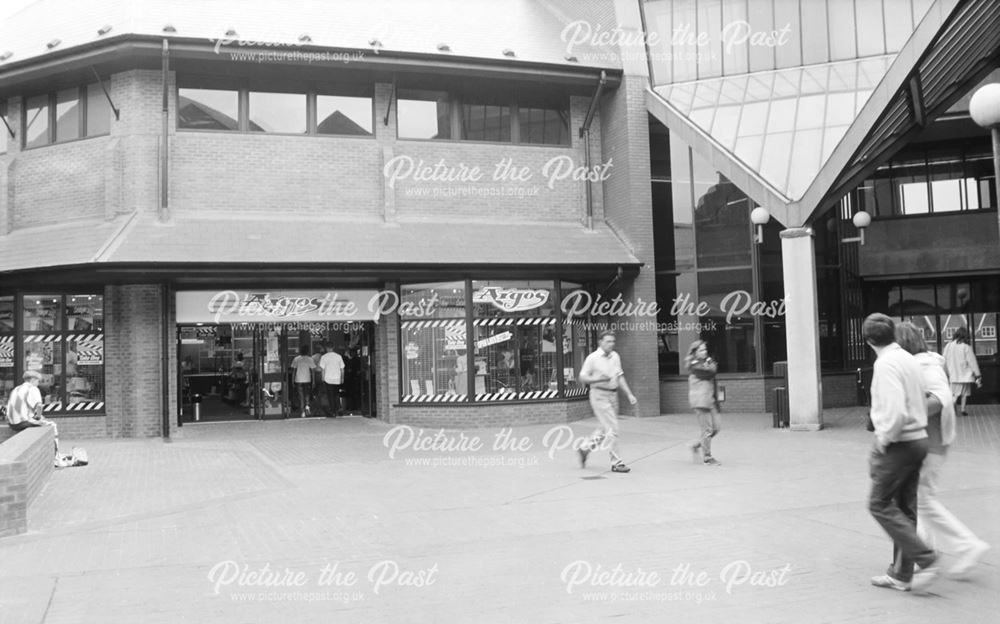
(25, 468)
(450, 416)
(755, 393)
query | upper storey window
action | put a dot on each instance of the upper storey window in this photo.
(66, 115)
(480, 117)
(345, 110)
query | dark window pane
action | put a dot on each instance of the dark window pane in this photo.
(85, 313)
(36, 121)
(42, 313)
(423, 115)
(208, 109)
(278, 112)
(98, 111)
(485, 122)
(544, 126)
(337, 114)
(722, 221)
(438, 300)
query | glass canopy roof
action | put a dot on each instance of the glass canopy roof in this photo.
(781, 124)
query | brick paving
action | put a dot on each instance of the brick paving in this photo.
(134, 536)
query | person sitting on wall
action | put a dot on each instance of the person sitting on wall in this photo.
(24, 407)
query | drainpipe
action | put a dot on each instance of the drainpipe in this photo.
(163, 214)
(585, 134)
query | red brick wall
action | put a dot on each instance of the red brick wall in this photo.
(25, 468)
(132, 361)
(754, 393)
(628, 210)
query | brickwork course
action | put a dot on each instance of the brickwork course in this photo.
(135, 536)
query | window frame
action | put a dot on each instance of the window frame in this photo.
(52, 101)
(458, 101)
(243, 88)
(65, 336)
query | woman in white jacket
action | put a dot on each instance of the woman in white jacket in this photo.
(936, 525)
(961, 366)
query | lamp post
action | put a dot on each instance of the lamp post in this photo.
(985, 111)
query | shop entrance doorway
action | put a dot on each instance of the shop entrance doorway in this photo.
(243, 371)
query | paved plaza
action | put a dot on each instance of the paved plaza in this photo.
(350, 520)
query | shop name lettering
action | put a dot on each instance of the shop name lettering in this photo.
(511, 299)
(228, 303)
(556, 169)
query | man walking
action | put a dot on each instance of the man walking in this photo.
(333, 376)
(899, 415)
(603, 371)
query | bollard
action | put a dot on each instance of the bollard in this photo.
(196, 401)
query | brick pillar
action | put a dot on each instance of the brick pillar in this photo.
(627, 199)
(132, 361)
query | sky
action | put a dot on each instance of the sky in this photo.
(10, 7)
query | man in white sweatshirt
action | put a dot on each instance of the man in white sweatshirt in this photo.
(899, 414)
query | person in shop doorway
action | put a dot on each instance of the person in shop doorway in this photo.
(899, 415)
(962, 368)
(603, 371)
(703, 398)
(303, 367)
(352, 380)
(333, 377)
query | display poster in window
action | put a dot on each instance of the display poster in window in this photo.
(6, 320)
(6, 353)
(454, 337)
(91, 354)
(412, 351)
(79, 318)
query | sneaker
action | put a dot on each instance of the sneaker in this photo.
(923, 578)
(711, 461)
(969, 559)
(620, 467)
(891, 583)
(583, 456)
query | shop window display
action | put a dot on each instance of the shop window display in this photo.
(434, 348)
(63, 340)
(7, 379)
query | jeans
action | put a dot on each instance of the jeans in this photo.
(333, 398)
(304, 390)
(605, 406)
(710, 423)
(895, 474)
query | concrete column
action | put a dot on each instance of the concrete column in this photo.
(805, 392)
